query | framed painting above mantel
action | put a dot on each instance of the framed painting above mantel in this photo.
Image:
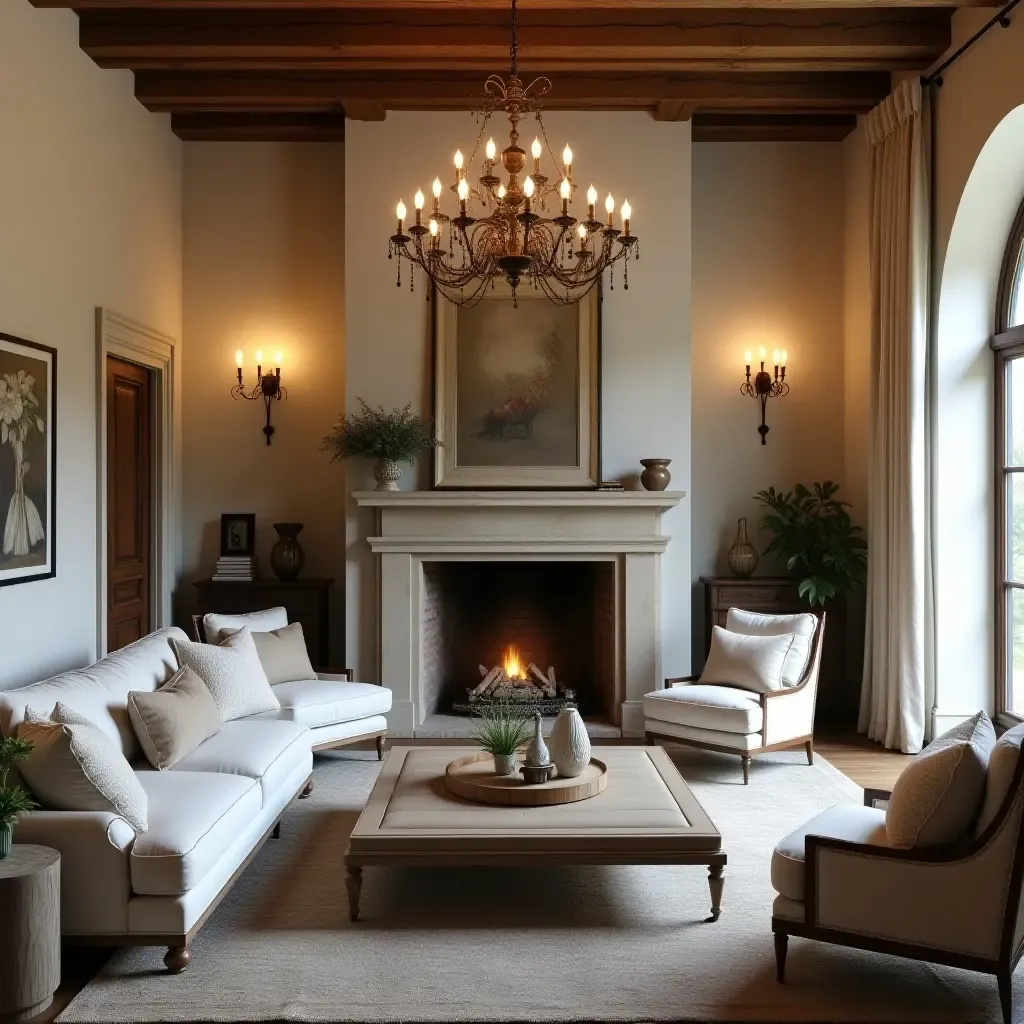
(517, 392)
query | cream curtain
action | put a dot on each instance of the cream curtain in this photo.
(899, 609)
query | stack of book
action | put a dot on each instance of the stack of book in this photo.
(235, 569)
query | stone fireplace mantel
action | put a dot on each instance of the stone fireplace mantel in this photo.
(417, 527)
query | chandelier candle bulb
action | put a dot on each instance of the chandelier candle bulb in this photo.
(627, 210)
(238, 358)
(490, 150)
(535, 151)
(400, 211)
(277, 363)
(463, 193)
(567, 160)
(609, 208)
(565, 190)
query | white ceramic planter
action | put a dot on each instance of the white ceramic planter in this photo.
(569, 743)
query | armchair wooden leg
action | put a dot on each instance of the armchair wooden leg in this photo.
(746, 770)
(380, 748)
(307, 789)
(1006, 996)
(276, 834)
(177, 958)
(781, 946)
(809, 747)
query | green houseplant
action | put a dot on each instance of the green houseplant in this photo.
(13, 799)
(501, 731)
(813, 535)
(388, 437)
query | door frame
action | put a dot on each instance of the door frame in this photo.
(124, 338)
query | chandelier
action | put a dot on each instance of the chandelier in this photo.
(513, 237)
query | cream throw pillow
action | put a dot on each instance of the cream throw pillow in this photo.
(1002, 764)
(75, 766)
(257, 622)
(232, 672)
(937, 798)
(282, 653)
(748, 662)
(172, 721)
(801, 624)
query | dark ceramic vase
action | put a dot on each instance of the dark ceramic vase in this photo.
(287, 557)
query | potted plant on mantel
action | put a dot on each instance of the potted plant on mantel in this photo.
(13, 799)
(814, 537)
(389, 438)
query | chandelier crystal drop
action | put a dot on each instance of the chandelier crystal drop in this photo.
(503, 229)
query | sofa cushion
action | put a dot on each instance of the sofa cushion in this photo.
(1002, 764)
(233, 673)
(257, 622)
(748, 662)
(844, 821)
(938, 797)
(282, 653)
(802, 624)
(265, 751)
(175, 719)
(723, 708)
(319, 702)
(100, 692)
(193, 819)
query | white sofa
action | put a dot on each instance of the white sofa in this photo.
(208, 815)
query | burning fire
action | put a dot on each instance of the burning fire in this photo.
(513, 666)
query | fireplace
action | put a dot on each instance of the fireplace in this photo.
(538, 632)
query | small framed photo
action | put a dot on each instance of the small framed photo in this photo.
(237, 533)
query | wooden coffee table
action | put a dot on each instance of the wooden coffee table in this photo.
(646, 815)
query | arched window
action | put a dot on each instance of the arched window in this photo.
(1008, 343)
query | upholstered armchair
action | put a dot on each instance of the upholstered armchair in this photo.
(838, 881)
(736, 721)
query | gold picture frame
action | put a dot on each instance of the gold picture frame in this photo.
(517, 392)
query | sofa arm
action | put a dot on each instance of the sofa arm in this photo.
(788, 714)
(95, 882)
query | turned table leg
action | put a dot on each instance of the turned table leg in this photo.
(354, 884)
(716, 882)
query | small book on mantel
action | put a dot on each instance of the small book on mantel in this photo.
(610, 485)
(235, 569)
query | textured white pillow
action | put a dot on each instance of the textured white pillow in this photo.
(1002, 764)
(75, 766)
(232, 673)
(939, 795)
(748, 662)
(802, 624)
(258, 622)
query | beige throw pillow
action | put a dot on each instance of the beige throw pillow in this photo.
(172, 721)
(282, 653)
(801, 624)
(937, 798)
(75, 766)
(748, 662)
(1002, 764)
(232, 672)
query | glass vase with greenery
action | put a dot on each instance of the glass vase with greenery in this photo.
(388, 437)
(13, 799)
(814, 537)
(501, 731)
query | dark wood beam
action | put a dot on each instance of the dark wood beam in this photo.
(477, 40)
(242, 126)
(503, 5)
(717, 127)
(180, 91)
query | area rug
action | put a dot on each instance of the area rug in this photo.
(582, 944)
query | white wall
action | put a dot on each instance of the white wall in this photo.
(767, 270)
(264, 236)
(90, 215)
(646, 331)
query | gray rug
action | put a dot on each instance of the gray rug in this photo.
(601, 944)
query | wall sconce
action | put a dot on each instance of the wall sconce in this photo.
(764, 385)
(268, 386)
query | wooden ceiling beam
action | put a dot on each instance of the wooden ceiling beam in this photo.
(501, 5)
(244, 126)
(719, 127)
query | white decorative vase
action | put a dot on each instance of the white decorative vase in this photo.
(569, 743)
(387, 473)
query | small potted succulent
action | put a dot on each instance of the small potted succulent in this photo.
(389, 438)
(501, 731)
(13, 799)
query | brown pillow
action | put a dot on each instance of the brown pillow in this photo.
(172, 721)
(282, 653)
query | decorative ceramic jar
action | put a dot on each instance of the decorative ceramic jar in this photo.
(570, 743)
(655, 476)
(6, 838)
(287, 557)
(742, 556)
(537, 750)
(504, 764)
(387, 473)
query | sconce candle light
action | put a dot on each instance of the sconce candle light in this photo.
(268, 386)
(765, 385)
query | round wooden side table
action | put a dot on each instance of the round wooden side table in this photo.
(29, 931)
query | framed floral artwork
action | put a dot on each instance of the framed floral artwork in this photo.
(517, 392)
(28, 457)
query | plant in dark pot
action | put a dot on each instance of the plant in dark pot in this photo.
(389, 438)
(13, 799)
(814, 537)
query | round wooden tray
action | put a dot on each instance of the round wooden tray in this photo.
(473, 778)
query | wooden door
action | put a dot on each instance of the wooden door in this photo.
(129, 502)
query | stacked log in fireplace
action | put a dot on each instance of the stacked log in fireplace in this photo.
(531, 689)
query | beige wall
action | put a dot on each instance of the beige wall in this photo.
(767, 270)
(90, 215)
(263, 269)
